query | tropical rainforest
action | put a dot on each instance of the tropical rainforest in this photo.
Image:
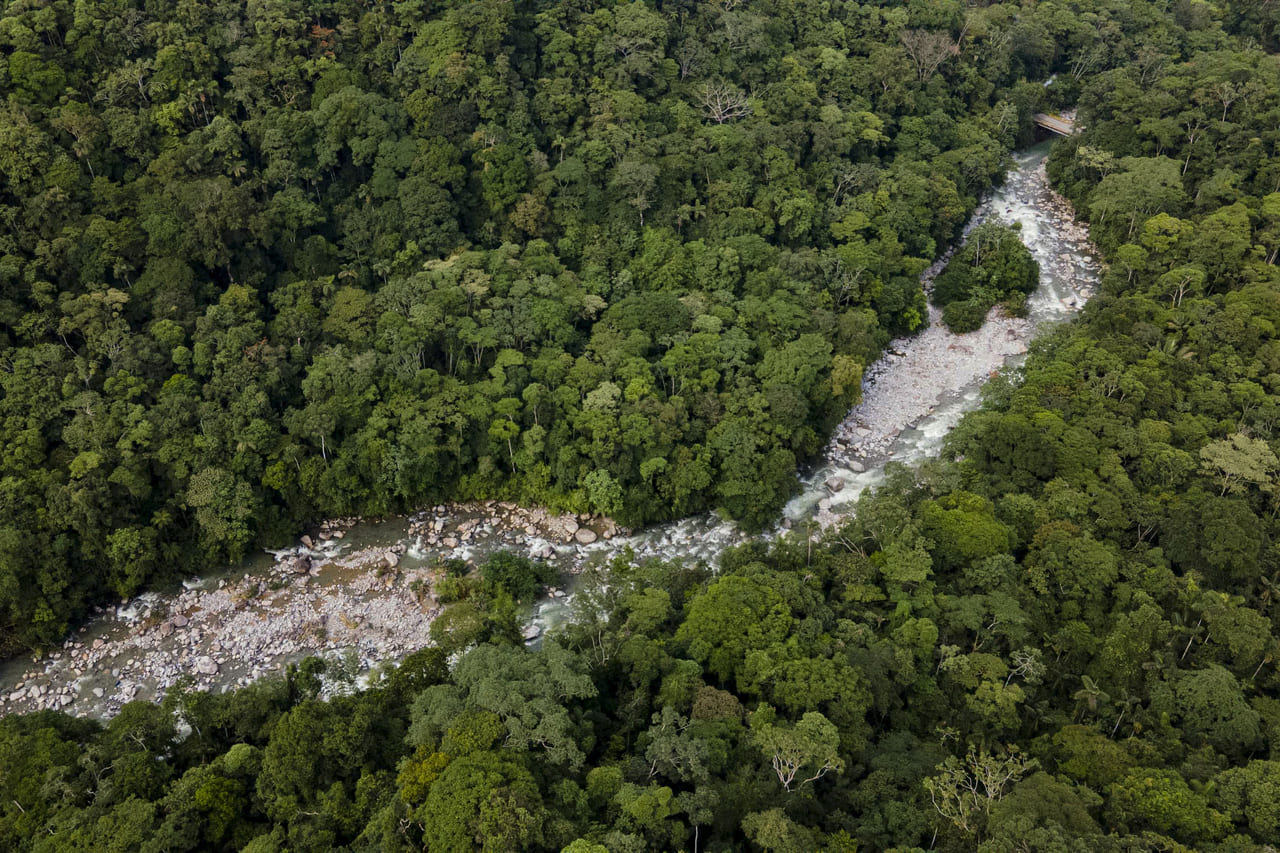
(267, 261)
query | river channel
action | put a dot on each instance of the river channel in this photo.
(360, 592)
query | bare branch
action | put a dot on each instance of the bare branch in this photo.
(928, 49)
(723, 102)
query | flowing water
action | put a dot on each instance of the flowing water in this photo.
(365, 591)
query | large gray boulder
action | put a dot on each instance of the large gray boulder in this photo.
(206, 666)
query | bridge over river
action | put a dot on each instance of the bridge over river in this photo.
(1055, 124)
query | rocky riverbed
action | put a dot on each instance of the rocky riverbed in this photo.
(365, 589)
(923, 384)
(919, 375)
(351, 587)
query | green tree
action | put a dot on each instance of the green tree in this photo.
(799, 754)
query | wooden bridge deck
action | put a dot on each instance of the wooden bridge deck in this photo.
(1055, 124)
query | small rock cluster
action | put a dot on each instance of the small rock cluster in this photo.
(456, 525)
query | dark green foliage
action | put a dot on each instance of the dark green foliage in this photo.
(517, 576)
(1061, 636)
(993, 266)
(966, 315)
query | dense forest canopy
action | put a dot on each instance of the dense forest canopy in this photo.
(267, 262)
(1059, 637)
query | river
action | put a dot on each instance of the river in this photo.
(362, 595)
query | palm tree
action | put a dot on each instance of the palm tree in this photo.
(1091, 693)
